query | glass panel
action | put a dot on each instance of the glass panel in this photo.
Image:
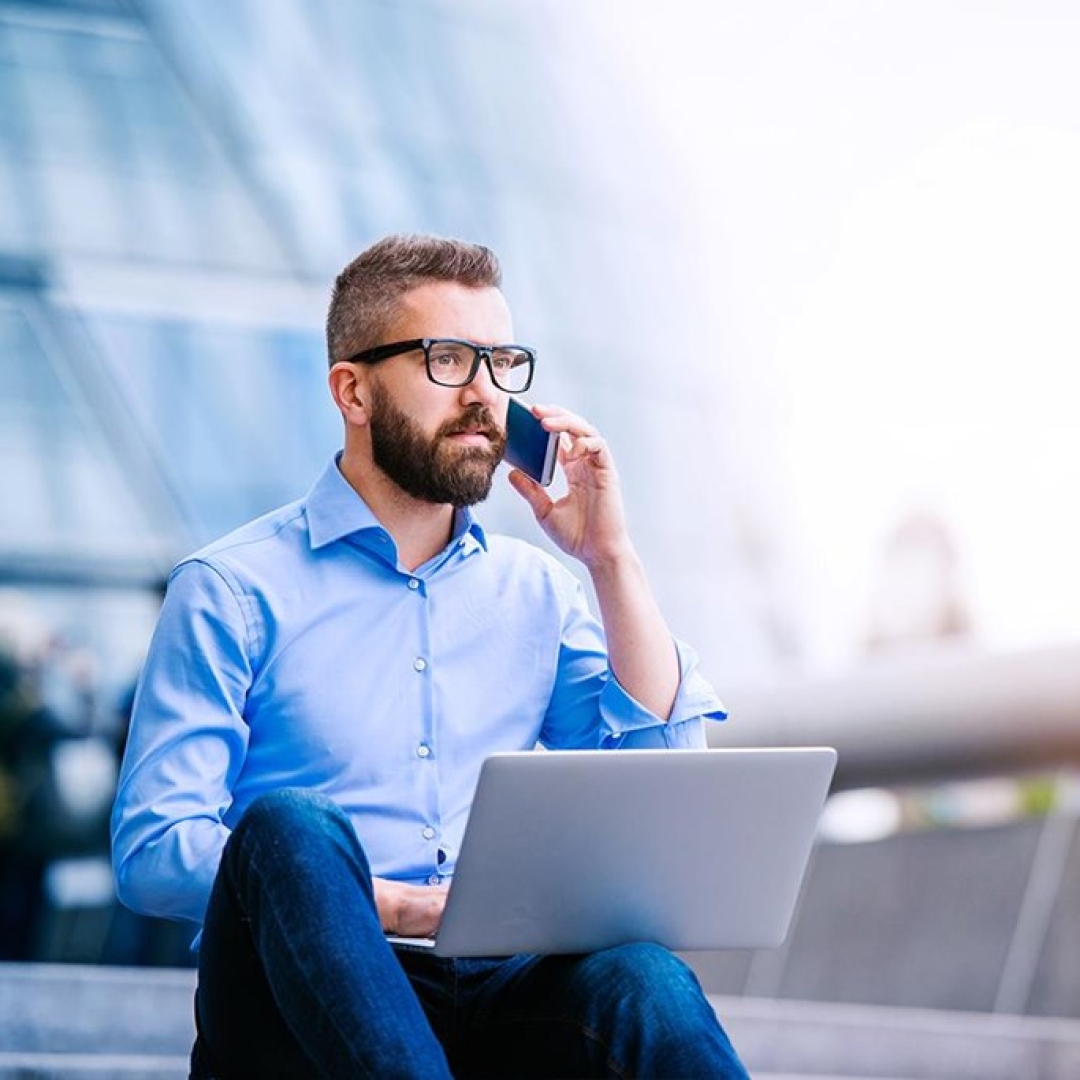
(105, 155)
(240, 416)
(61, 490)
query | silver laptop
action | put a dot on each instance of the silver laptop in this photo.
(577, 850)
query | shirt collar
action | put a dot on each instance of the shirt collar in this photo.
(335, 510)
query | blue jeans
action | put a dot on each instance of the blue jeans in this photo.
(297, 980)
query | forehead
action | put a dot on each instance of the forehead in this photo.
(447, 309)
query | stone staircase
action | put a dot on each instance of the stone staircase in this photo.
(81, 1022)
(76, 1022)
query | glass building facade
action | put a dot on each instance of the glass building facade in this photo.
(180, 183)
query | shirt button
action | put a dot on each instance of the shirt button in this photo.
(434, 879)
(423, 750)
(413, 583)
(428, 833)
(419, 663)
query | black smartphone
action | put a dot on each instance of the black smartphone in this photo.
(528, 446)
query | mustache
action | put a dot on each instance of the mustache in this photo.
(475, 418)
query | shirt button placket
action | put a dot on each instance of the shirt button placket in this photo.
(423, 749)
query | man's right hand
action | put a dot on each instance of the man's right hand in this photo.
(409, 910)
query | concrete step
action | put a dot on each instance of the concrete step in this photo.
(15, 1066)
(839, 1040)
(82, 1010)
(72, 1022)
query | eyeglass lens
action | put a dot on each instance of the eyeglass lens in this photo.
(455, 363)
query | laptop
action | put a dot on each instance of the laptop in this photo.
(570, 851)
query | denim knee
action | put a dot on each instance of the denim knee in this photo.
(647, 980)
(644, 968)
(287, 807)
(298, 820)
(655, 1000)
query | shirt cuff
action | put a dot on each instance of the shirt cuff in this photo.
(626, 723)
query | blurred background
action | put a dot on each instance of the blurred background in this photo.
(812, 268)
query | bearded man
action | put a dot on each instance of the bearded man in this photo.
(325, 682)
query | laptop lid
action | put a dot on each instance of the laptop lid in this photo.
(573, 851)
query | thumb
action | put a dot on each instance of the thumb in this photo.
(531, 492)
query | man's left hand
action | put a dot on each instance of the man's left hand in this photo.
(588, 521)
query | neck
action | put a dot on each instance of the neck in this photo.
(420, 529)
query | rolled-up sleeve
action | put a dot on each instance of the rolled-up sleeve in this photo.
(627, 725)
(590, 708)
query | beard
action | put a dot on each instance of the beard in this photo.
(435, 470)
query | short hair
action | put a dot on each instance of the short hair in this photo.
(366, 292)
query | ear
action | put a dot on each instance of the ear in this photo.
(349, 390)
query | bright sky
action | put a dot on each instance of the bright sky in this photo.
(890, 232)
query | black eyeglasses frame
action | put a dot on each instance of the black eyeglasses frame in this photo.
(480, 353)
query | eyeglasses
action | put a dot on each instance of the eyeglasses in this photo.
(451, 362)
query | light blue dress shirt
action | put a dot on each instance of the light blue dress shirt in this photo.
(296, 652)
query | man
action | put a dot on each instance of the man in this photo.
(324, 683)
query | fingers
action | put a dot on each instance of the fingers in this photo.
(409, 910)
(421, 910)
(555, 418)
(586, 446)
(579, 438)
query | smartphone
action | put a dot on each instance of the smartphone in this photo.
(528, 446)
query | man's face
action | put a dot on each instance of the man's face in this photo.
(440, 444)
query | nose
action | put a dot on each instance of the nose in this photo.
(482, 388)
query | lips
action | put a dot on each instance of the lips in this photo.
(486, 432)
(473, 425)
